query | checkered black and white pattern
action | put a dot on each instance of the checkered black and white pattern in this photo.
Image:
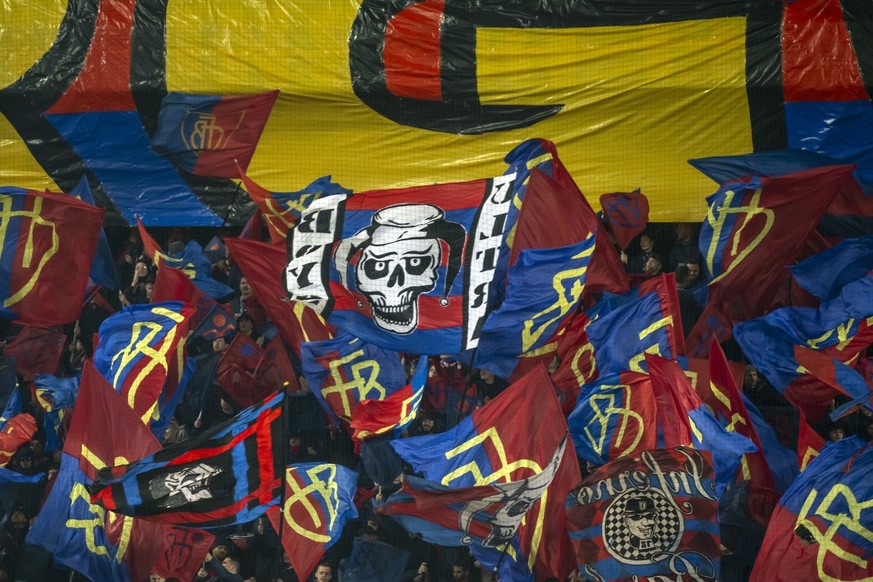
(618, 539)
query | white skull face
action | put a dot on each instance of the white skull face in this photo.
(393, 275)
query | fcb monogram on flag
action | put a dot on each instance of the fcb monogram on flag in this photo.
(202, 131)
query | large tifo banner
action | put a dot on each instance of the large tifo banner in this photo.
(397, 93)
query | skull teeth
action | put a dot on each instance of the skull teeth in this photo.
(395, 314)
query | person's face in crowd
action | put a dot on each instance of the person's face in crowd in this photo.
(227, 407)
(18, 519)
(246, 326)
(684, 232)
(836, 434)
(751, 378)
(141, 269)
(646, 243)
(693, 272)
(219, 344)
(26, 462)
(244, 288)
(459, 573)
(220, 552)
(149, 289)
(642, 526)
(486, 376)
(323, 574)
(653, 266)
(156, 578)
(427, 424)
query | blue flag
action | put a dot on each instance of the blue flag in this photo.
(545, 287)
(12, 408)
(822, 528)
(839, 327)
(319, 499)
(194, 263)
(103, 268)
(637, 323)
(826, 273)
(782, 461)
(74, 531)
(55, 396)
(343, 371)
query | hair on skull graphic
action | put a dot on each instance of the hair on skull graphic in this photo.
(400, 253)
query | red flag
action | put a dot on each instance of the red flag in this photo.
(48, 250)
(275, 371)
(18, 430)
(262, 265)
(150, 246)
(605, 271)
(723, 398)
(174, 285)
(278, 219)
(674, 397)
(36, 351)
(160, 549)
(627, 214)
(254, 228)
(809, 442)
(755, 229)
(236, 368)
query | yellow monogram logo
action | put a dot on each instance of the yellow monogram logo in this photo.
(90, 526)
(205, 131)
(716, 218)
(326, 488)
(568, 287)
(364, 380)
(604, 407)
(142, 335)
(849, 520)
(27, 259)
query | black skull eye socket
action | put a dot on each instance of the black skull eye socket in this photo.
(417, 265)
(375, 269)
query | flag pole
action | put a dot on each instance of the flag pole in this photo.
(230, 205)
(467, 383)
(284, 458)
(499, 563)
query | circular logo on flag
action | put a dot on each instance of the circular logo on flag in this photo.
(638, 525)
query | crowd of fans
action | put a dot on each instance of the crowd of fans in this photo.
(251, 552)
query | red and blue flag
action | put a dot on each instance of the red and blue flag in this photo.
(228, 475)
(342, 372)
(261, 264)
(826, 273)
(822, 528)
(627, 214)
(36, 350)
(486, 516)
(208, 135)
(48, 246)
(615, 416)
(80, 535)
(510, 438)
(138, 351)
(281, 210)
(318, 501)
(649, 516)
(395, 412)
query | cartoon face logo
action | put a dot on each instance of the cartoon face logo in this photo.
(185, 486)
(638, 525)
(400, 253)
